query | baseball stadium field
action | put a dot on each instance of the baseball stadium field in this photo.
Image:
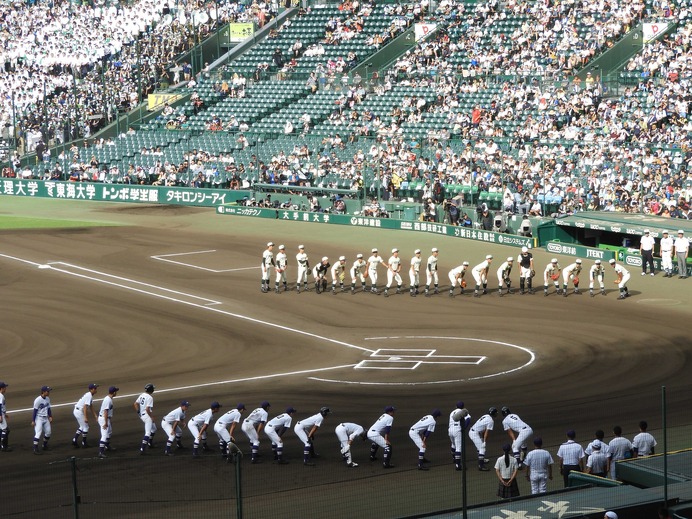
(127, 295)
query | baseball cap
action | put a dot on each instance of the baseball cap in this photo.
(113, 389)
(389, 409)
(554, 260)
(184, 403)
(395, 250)
(374, 250)
(417, 251)
(93, 386)
(434, 249)
(342, 258)
(460, 404)
(436, 413)
(646, 231)
(301, 246)
(524, 249)
(45, 388)
(597, 262)
(578, 262)
(680, 231)
(281, 247)
(665, 232)
(270, 244)
(510, 258)
(215, 405)
(265, 404)
(596, 445)
(290, 410)
(489, 256)
(466, 263)
(612, 261)
(611, 515)
(240, 407)
(3, 384)
(359, 256)
(325, 258)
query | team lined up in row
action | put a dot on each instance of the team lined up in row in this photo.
(362, 269)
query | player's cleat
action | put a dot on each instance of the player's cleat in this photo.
(532, 291)
(652, 274)
(643, 273)
(37, 452)
(627, 294)
(545, 293)
(499, 292)
(577, 291)
(437, 291)
(603, 292)
(451, 294)
(353, 291)
(298, 289)
(483, 468)
(387, 466)
(205, 448)
(308, 464)
(485, 292)
(277, 290)
(476, 294)
(373, 458)
(591, 293)
(621, 296)
(413, 294)
(102, 456)
(421, 467)
(386, 293)
(85, 445)
(352, 465)
(264, 290)
(564, 293)
(75, 444)
(334, 291)
(427, 294)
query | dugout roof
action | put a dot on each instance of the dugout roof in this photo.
(632, 224)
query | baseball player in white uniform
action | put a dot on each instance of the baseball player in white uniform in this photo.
(305, 430)
(682, 249)
(303, 268)
(357, 271)
(571, 273)
(144, 405)
(275, 429)
(266, 266)
(105, 421)
(623, 276)
(552, 274)
(252, 426)
(539, 467)
(480, 275)
(81, 412)
(431, 272)
(518, 430)
(456, 278)
(42, 419)
(393, 272)
(198, 426)
(281, 264)
(378, 434)
(666, 249)
(455, 430)
(373, 261)
(4, 426)
(338, 274)
(346, 432)
(419, 433)
(479, 435)
(414, 273)
(503, 276)
(597, 272)
(643, 444)
(225, 427)
(620, 448)
(173, 424)
(526, 272)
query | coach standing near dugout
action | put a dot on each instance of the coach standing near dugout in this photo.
(571, 457)
(646, 249)
(539, 467)
(682, 248)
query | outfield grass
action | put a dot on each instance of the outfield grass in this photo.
(23, 222)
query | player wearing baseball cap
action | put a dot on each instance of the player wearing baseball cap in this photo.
(319, 273)
(393, 272)
(42, 419)
(666, 247)
(253, 425)
(281, 264)
(144, 405)
(173, 424)
(414, 273)
(198, 426)
(419, 433)
(266, 266)
(456, 278)
(597, 272)
(552, 273)
(378, 434)
(571, 272)
(303, 268)
(4, 427)
(526, 273)
(431, 272)
(623, 276)
(338, 274)
(503, 274)
(373, 261)
(105, 420)
(358, 273)
(81, 412)
(480, 275)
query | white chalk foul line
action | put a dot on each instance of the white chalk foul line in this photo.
(164, 257)
(207, 384)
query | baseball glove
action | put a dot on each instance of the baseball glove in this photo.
(533, 273)
(555, 277)
(463, 283)
(575, 280)
(365, 274)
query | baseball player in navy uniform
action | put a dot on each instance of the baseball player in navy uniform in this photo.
(378, 434)
(338, 274)
(480, 275)
(105, 421)
(266, 266)
(281, 264)
(479, 435)
(597, 272)
(571, 273)
(346, 432)
(503, 276)
(275, 429)
(519, 431)
(414, 273)
(456, 430)
(305, 430)
(393, 272)
(144, 405)
(252, 427)
(526, 272)
(173, 424)
(82, 410)
(419, 433)
(198, 426)
(319, 273)
(373, 261)
(225, 427)
(4, 425)
(303, 268)
(431, 272)
(456, 277)
(552, 274)
(42, 419)
(623, 276)
(357, 273)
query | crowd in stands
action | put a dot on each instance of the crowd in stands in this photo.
(542, 135)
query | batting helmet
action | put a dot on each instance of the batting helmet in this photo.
(325, 411)
(505, 411)
(149, 388)
(492, 411)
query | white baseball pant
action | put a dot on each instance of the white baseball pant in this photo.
(667, 260)
(149, 425)
(302, 434)
(600, 281)
(81, 420)
(500, 278)
(281, 276)
(567, 275)
(172, 433)
(266, 272)
(454, 281)
(480, 276)
(274, 436)
(525, 272)
(455, 437)
(625, 279)
(357, 274)
(417, 439)
(431, 276)
(42, 427)
(3, 424)
(414, 277)
(222, 432)
(520, 441)
(105, 432)
(302, 274)
(373, 276)
(539, 481)
(393, 276)
(477, 440)
(250, 432)
(377, 438)
(194, 430)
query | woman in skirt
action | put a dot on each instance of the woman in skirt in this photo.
(506, 469)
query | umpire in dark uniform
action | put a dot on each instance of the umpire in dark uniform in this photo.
(571, 457)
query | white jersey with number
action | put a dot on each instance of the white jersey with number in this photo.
(281, 421)
(374, 261)
(415, 263)
(425, 424)
(107, 407)
(145, 400)
(513, 422)
(42, 406)
(228, 418)
(257, 417)
(383, 424)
